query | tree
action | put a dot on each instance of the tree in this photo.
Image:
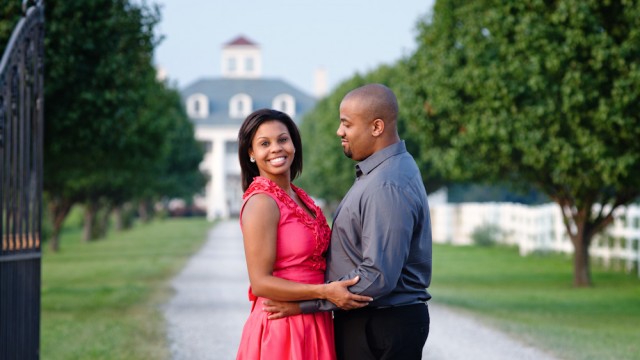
(179, 176)
(176, 174)
(11, 12)
(98, 75)
(536, 92)
(328, 174)
(113, 132)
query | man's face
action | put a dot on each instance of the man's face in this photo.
(355, 130)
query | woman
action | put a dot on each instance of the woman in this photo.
(285, 239)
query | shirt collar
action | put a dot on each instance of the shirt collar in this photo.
(367, 165)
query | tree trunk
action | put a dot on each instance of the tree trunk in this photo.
(144, 211)
(103, 221)
(59, 209)
(89, 220)
(54, 241)
(117, 217)
(581, 266)
(576, 223)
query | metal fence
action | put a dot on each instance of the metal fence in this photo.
(21, 140)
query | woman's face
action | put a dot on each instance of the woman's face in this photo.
(273, 150)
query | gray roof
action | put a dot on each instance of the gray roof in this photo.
(262, 92)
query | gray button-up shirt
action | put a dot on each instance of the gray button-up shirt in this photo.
(382, 232)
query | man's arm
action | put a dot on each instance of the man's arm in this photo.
(282, 309)
(388, 218)
(311, 306)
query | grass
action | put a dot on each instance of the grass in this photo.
(532, 298)
(101, 300)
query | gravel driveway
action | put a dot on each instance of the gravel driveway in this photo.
(207, 312)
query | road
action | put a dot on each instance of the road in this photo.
(209, 308)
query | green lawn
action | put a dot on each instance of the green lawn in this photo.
(100, 300)
(532, 298)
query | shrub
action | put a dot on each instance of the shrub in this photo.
(486, 235)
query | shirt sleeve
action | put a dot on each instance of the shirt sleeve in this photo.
(388, 218)
(311, 306)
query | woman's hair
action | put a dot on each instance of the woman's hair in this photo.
(245, 137)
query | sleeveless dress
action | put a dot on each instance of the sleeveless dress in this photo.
(300, 256)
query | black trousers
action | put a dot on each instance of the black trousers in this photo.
(387, 333)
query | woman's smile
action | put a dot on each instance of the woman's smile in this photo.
(279, 161)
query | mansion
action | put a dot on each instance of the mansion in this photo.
(218, 106)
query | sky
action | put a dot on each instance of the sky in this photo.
(296, 37)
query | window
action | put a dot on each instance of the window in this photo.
(240, 106)
(198, 106)
(207, 146)
(285, 103)
(248, 65)
(231, 64)
(231, 147)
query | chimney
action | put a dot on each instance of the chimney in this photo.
(161, 73)
(320, 82)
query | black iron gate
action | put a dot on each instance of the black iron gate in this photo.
(21, 131)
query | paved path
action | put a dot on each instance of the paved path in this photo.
(206, 315)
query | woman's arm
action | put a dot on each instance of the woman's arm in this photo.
(260, 217)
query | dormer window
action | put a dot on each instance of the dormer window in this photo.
(241, 59)
(248, 65)
(285, 103)
(231, 65)
(198, 106)
(240, 106)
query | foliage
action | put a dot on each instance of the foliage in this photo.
(11, 12)
(535, 92)
(171, 167)
(486, 235)
(99, 56)
(46, 226)
(177, 174)
(463, 192)
(328, 174)
(98, 71)
(113, 133)
(107, 295)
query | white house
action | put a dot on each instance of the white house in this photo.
(217, 107)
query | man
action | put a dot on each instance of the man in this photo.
(382, 233)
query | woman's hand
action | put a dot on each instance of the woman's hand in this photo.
(280, 309)
(338, 293)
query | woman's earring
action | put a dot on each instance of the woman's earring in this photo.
(252, 159)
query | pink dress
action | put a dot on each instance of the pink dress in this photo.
(300, 256)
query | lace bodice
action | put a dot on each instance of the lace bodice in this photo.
(317, 226)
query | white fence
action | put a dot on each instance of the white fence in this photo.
(538, 229)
